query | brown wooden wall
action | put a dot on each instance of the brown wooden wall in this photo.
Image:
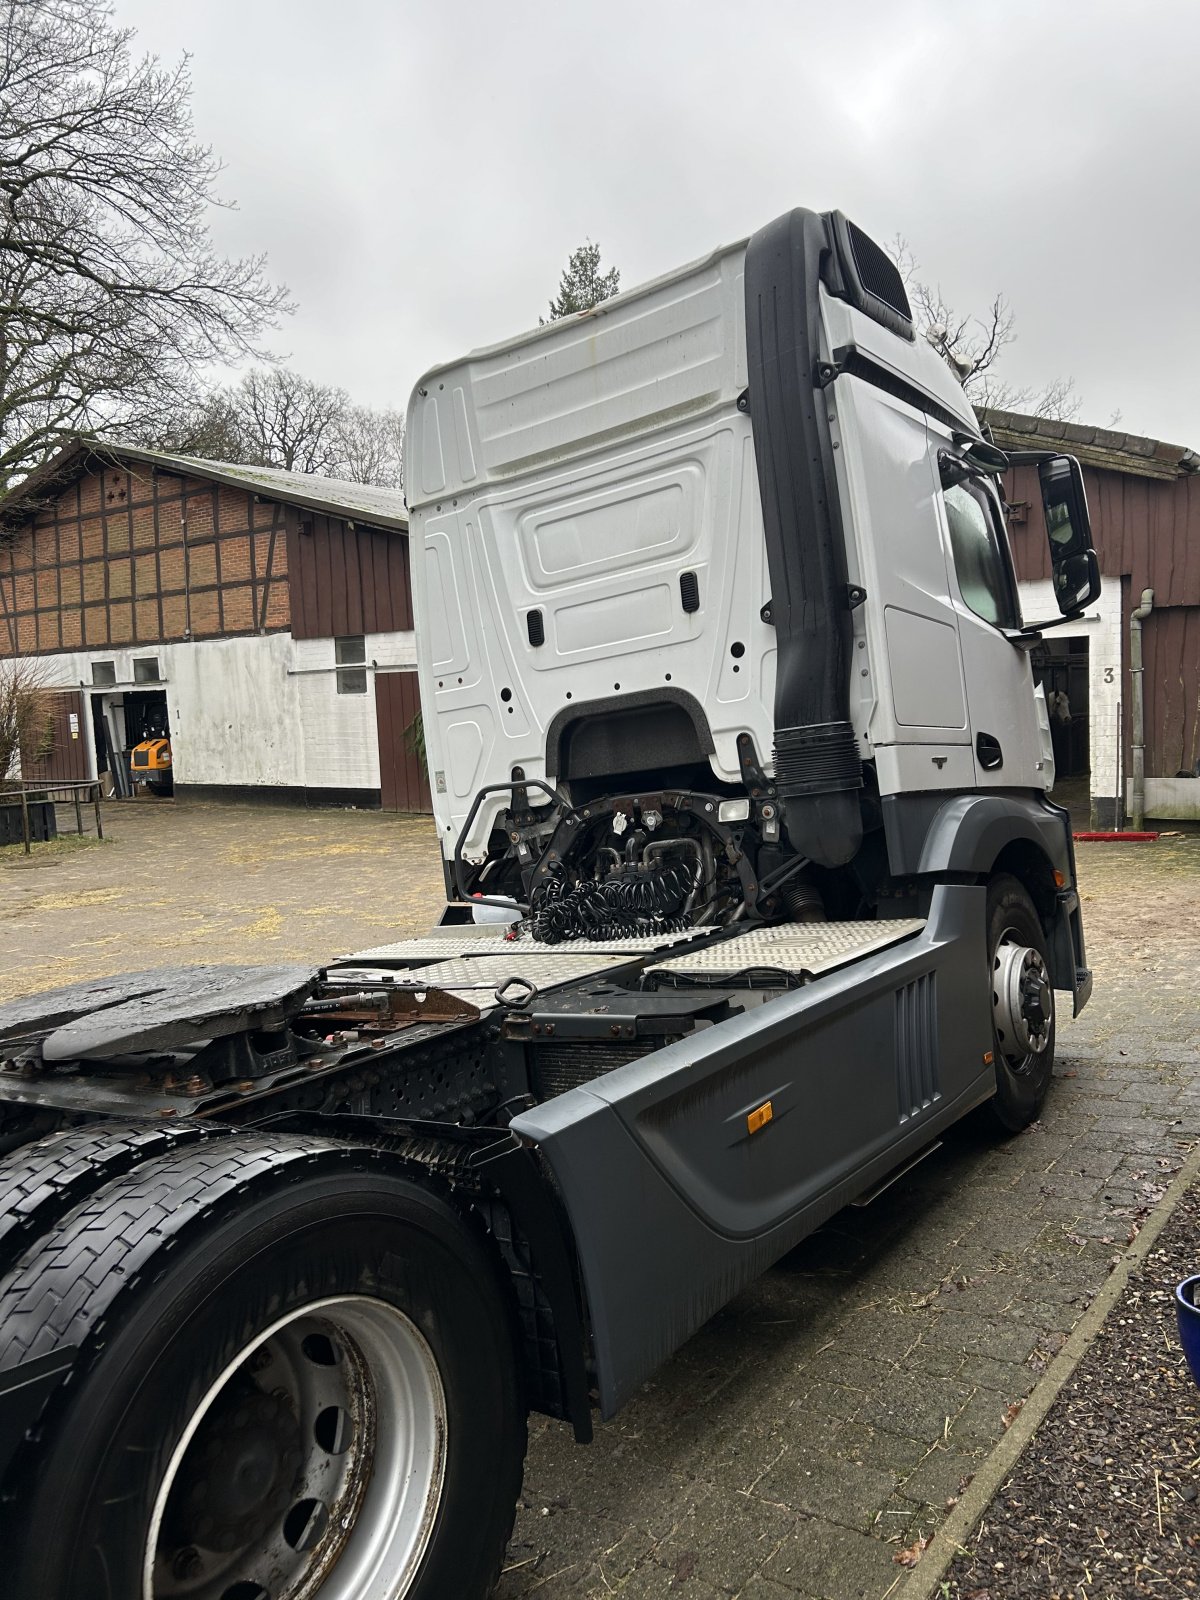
(1147, 536)
(1171, 657)
(141, 557)
(67, 755)
(403, 781)
(1146, 529)
(346, 580)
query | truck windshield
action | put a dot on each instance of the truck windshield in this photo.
(980, 559)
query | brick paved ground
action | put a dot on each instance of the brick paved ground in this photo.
(818, 1425)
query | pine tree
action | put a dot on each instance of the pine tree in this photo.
(582, 284)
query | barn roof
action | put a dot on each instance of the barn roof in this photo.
(1095, 447)
(357, 502)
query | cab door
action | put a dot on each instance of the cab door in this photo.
(907, 683)
(1005, 742)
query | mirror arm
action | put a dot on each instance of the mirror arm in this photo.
(1023, 638)
(986, 458)
(1031, 629)
(1031, 458)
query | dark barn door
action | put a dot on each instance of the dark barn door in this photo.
(403, 785)
(67, 757)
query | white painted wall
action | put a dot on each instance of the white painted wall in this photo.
(1101, 627)
(234, 712)
(1177, 798)
(340, 737)
(261, 711)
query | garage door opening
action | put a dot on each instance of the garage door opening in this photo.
(1064, 675)
(132, 733)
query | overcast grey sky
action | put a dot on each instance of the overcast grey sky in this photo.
(419, 172)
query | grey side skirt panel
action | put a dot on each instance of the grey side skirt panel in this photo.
(675, 1205)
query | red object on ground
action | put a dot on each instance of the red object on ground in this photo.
(1120, 838)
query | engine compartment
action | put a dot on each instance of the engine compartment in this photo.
(640, 863)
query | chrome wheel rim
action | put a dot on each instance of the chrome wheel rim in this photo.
(1022, 1001)
(313, 1465)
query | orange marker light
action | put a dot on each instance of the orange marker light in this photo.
(759, 1117)
(1059, 878)
(987, 1058)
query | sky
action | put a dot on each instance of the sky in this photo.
(418, 173)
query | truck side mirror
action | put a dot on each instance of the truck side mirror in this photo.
(1076, 581)
(1076, 571)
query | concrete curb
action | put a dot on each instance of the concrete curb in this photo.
(923, 1582)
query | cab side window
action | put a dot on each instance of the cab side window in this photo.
(980, 558)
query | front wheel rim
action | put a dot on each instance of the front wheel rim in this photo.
(313, 1466)
(1022, 1002)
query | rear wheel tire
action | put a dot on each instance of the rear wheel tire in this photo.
(296, 1378)
(43, 1181)
(1022, 1000)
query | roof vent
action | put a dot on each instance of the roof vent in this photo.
(870, 279)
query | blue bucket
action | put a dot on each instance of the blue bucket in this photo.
(1188, 1312)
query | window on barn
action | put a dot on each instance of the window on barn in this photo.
(145, 670)
(350, 654)
(104, 672)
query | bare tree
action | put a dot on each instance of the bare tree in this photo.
(284, 420)
(112, 295)
(372, 446)
(275, 417)
(26, 715)
(971, 346)
(207, 426)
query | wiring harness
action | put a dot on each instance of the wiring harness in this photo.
(625, 904)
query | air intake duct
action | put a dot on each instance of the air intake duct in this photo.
(817, 764)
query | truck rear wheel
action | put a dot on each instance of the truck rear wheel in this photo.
(296, 1379)
(1022, 1005)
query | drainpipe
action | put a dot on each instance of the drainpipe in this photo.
(1137, 708)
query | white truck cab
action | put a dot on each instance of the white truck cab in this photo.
(735, 531)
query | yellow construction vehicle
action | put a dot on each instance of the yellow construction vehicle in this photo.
(150, 763)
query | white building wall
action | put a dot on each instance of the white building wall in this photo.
(1101, 627)
(340, 737)
(261, 711)
(234, 712)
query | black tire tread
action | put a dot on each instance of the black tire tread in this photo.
(45, 1180)
(63, 1287)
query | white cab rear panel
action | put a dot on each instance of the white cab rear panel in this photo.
(580, 472)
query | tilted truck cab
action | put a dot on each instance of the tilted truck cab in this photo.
(734, 532)
(753, 888)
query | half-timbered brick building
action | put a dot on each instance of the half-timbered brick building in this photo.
(261, 619)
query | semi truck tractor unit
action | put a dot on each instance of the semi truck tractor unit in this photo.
(753, 889)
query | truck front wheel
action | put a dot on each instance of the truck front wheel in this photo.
(1022, 999)
(296, 1378)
